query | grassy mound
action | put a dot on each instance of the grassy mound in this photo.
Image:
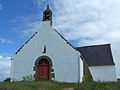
(44, 85)
(98, 86)
(49, 85)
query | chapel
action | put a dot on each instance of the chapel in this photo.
(47, 55)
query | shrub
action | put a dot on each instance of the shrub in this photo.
(7, 80)
(14, 80)
(29, 78)
(87, 78)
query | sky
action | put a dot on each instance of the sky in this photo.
(81, 22)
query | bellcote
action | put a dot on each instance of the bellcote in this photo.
(47, 15)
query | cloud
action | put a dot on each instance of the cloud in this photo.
(25, 26)
(89, 22)
(41, 4)
(5, 64)
(3, 40)
(1, 6)
(86, 22)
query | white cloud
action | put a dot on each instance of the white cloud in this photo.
(89, 22)
(5, 64)
(1, 6)
(86, 21)
(41, 4)
(3, 40)
(25, 26)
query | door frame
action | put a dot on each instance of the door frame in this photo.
(37, 63)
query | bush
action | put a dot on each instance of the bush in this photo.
(28, 78)
(87, 78)
(7, 80)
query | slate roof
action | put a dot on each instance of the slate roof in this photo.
(97, 55)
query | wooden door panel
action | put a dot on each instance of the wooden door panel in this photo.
(43, 72)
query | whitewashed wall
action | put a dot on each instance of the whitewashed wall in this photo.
(64, 58)
(103, 73)
(81, 70)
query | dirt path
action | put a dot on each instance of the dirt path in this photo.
(68, 89)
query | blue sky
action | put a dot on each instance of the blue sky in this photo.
(11, 10)
(82, 22)
(11, 14)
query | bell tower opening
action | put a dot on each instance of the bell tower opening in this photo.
(47, 15)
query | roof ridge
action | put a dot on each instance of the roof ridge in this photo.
(94, 45)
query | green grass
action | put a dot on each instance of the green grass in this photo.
(44, 85)
(49, 85)
(98, 86)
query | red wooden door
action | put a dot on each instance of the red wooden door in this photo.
(43, 72)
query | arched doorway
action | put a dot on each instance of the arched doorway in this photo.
(43, 69)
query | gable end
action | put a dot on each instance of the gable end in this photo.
(26, 42)
(65, 39)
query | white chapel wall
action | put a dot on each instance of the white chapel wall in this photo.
(63, 56)
(81, 70)
(103, 73)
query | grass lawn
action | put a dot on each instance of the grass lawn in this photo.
(49, 85)
(44, 85)
(98, 86)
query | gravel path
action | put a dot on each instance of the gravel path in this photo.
(68, 89)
